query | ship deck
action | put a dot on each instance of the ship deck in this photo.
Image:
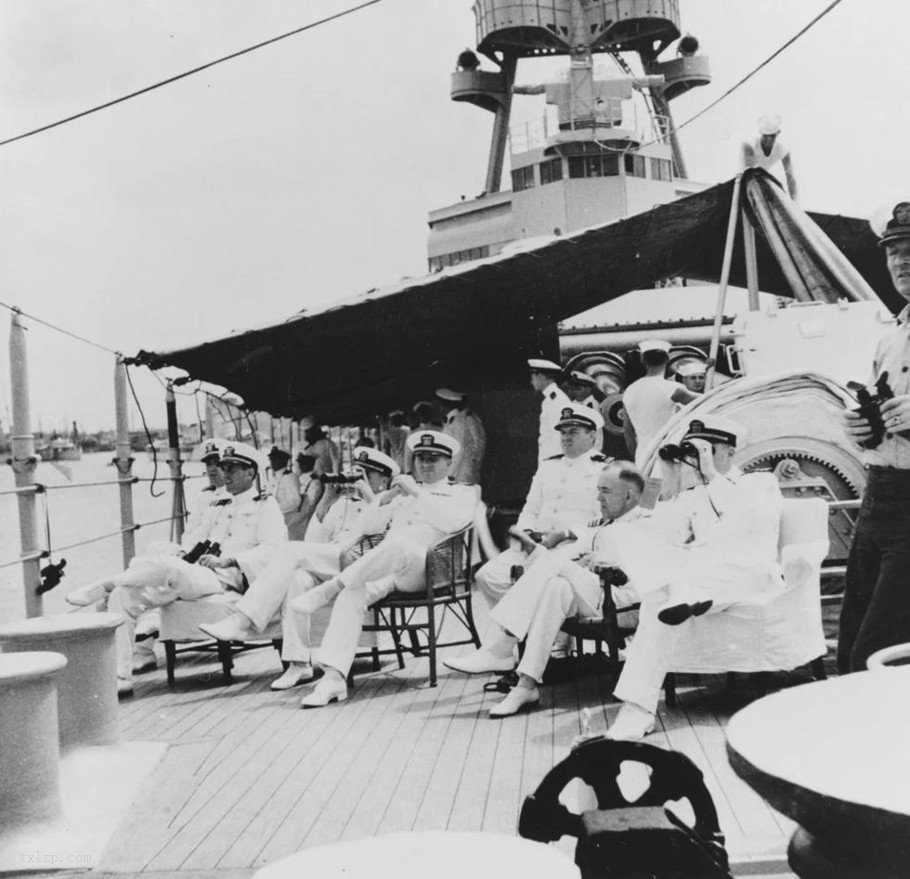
(249, 778)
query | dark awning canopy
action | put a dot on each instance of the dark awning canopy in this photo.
(376, 352)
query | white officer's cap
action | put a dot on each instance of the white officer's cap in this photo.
(691, 367)
(242, 453)
(433, 441)
(210, 449)
(654, 345)
(891, 221)
(769, 124)
(581, 378)
(449, 395)
(537, 364)
(716, 429)
(579, 415)
(372, 459)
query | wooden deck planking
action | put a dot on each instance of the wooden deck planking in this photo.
(249, 778)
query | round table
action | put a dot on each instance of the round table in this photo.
(87, 688)
(835, 757)
(433, 854)
(29, 747)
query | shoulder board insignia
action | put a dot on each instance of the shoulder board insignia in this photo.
(596, 523)
(554, 457)
(221, 502)
(597, 456)
(261, 496)
(552, 395)
(209, 488)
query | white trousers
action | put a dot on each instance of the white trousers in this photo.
(651, 654)
(295, 567)
(494, 579)
(397, 563)
(153, 581)
(541, 600)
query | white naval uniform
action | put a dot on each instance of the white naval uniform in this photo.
(552, 589)
(554, 401)
(285, 488)
(415, 523)
(465, 426)
(298, 566)
(249, 528)
(563, 496)
(732, 555)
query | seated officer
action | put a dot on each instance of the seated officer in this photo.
(247, 526)
(717, 545)
(418, 512)
(299, 565)
(562, 498)
(550, 591)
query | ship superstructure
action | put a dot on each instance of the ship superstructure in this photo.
(603, 147)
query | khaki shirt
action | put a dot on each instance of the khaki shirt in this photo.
(893, 356)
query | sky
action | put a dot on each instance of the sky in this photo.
(303, 173)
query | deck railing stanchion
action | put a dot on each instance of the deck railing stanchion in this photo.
(176, 465)
(124, 462)
(24, 464)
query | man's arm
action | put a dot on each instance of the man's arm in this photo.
(530, 512)
(787, 162)
(683, 395)
(628, 432)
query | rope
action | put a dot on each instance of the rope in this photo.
(186, 73)
(148, 434)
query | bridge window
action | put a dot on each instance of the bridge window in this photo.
(550, 171)
(523, 178)
(635, 165)
(661, 169)
(457, 257)
(605, 165)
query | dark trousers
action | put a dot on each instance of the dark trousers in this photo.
(876, 611)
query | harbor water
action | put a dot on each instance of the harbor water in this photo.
(80, 513)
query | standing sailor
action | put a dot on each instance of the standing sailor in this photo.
(544, 374)
(650, 402)
(463, 425)
(876, 609)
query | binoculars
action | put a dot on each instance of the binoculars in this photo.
(870, 408)
(339, 478)
(673, 452)
(204, 547)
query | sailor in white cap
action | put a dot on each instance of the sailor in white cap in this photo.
(767, 150)
(552, 589)
(418, 512)
(246, 526)
(562, 497)
(692, 373)
(301, 564)
(876, 610)
(544, 375)
(650, 402)
(319, 446)
(465, 426)
(699, 553)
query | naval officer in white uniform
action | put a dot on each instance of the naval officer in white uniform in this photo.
(562, 497)
(247, 525)
(716, 544)
(551, 590)
(418, 512)
(544, 375)
(299, 565)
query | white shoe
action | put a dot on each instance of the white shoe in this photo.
(313, 599)
(631, 724)
(517, 699)
(296, 673)
(329, 689)
(479, 662)
(235, 627)
(124, 688)
(91, 594)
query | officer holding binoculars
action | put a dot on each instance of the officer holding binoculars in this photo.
(876, 610)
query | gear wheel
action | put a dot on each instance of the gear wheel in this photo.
(810, 462)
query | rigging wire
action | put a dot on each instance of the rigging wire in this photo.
(16, 310)
(186, 73)
(148, 435)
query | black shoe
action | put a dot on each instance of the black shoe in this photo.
(677, 614)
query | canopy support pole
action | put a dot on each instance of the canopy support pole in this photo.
(751, 262)
(724, 281)
(178, 514)
(124, 462)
